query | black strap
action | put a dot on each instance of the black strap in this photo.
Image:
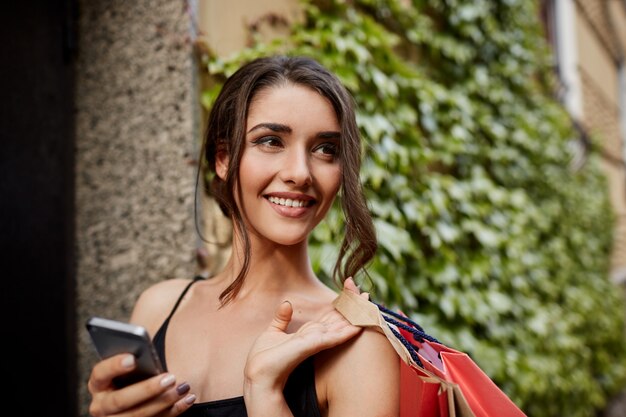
(180, 297)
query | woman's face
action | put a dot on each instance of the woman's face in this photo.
(290, 171)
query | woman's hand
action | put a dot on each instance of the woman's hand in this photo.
(276, 353)
(156, 396)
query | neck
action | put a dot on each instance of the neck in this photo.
(272, 267)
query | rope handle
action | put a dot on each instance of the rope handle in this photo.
(409, 339)
(405, 323)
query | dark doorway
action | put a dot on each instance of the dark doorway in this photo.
(36, 205)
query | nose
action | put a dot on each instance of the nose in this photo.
(296, 168)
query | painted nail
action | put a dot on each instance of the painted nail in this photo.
(183, 388)
(190, 399)
(168, 380)
(128, 361)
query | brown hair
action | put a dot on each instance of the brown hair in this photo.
(226, 132)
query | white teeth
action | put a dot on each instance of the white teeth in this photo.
(287, 202)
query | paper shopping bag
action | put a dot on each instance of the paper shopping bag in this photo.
(422, 393)
(426, 395)
(436, 380)
(483, 396)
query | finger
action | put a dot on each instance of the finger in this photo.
(282, 316)
(183, 404)
(349, 285)
(151, 396)
(172, 402)
(103, 372)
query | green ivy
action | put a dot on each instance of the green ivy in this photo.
(487, 237)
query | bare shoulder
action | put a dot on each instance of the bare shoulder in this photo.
(156, 302)
(361, 377)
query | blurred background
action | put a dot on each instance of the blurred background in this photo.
(494, 166)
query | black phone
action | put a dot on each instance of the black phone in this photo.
(111, 337)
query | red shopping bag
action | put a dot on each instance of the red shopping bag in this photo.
(435, 380)
(426, 395)
(483, 396)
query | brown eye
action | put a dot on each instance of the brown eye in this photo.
(269, 141)
(327, 148)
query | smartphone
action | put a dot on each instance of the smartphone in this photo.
(111, 337)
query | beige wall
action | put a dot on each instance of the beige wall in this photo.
(597, 61)
(601, 26)
(601, 41)
(224, 24)
(617, 11)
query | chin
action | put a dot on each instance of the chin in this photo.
(289, 242)
(295, 239)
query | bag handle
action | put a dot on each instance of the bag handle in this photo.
(364, 313)
(405, 323)
(412, 328)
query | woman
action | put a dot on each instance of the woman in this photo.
(261, 338)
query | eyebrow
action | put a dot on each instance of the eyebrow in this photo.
(275, 127)
(329, 135)
(280, 128)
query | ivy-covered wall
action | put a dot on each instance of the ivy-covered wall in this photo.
(487, 237)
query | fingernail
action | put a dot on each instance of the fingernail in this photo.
(168, 380)
(183, 388)
(128, 361)
(190, 399)
(287, 301)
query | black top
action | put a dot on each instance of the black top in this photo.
(299, 390)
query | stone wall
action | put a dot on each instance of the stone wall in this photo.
(137, 129)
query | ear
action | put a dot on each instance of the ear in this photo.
(221, 164)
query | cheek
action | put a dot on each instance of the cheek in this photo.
(253, 175)
(331, 181)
